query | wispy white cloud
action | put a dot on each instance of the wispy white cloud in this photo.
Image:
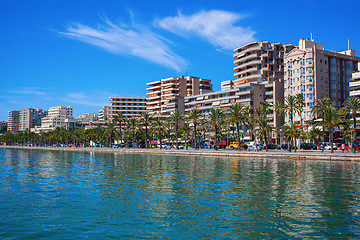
(134, 40)
(95, 100)
(215, 26)
(28, 91)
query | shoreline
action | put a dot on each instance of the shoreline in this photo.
(276, 154)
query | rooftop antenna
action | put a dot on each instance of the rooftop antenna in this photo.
(311, 38)
(348, 44)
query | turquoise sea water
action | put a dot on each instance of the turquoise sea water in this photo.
(72, 195)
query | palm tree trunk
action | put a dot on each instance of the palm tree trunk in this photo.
(133, 138)
(216, 143)
(294, 144)
(331, 140)
(196, 147)
(176, 136)
(354, 126)
(160, 139)
(238, 134)
(146, 140)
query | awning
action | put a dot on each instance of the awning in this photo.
(240, 82)
(216, 103)
(200, 98)
(224, 101)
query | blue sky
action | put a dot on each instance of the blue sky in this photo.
(78, 53)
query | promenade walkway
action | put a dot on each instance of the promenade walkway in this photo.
(338, 155)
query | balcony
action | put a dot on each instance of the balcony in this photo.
(256, 62)
(253, 69)
(251, 56)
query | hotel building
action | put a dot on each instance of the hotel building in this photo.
(59, 116)
(129, 106)
(169, 93)
(317, 73)
(24, 120)
(104, 114)
(87, 118)
(13, 121)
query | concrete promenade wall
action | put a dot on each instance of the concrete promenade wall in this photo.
(277, 154)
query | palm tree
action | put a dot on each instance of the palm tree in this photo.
(292, 132)
(110, 133)
(320, 107)
(132, 122)
(157, 125)
(194, 116)
(176, 118)
(352, 105)
(236, 114)
(300, 102)
(120, 118)
(292, 104)
(146, 119)
(264, 127)
(331, 119)
(315, 136)
(216, 117)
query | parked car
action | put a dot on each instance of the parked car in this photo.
(286, 146)
(327, 146)
(273, 146)
(235, 145)
(308, 146)
(202, 145)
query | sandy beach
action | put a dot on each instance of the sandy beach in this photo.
(277, 154)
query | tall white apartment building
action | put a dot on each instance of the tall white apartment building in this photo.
(30, 118)
(87, 117)
(13, 121)
(162, 92)
(59, 116)
(317, 73)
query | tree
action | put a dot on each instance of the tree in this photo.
(236, 114)
(194, 116)
(120, 119)
(216, 119)
(352, 105)
(176, 118)
(292, 104)
(264, 127)
(110, 133)
(146, 120)
(157, 125)
(331, 119)
(132, 123)
(292, 132)
(315, 135)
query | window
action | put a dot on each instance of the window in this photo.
(309, 69)
(302, 88)
(302, 70)
(311, 105)
(310, 96)
(302, 61)
(320, 60)
(310, 87)
(309, 60)
(302, 79)
(309, 78)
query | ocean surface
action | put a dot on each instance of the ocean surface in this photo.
(73, 195)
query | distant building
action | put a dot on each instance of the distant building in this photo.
(129, 106)
(164, 93)
(317, 73)
(3, 124)
(355, 84)
(104, 114)
(88, 118)
(59, 116)
(30, 118)
(13, 121)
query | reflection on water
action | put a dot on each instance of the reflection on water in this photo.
(64, 195)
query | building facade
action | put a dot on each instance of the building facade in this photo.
(88, 118)
(59, 116)
(30, 118)
(13, 121)
(317, 73)
(128, 106)
(3, 124)
(171, 90)
(104, 114)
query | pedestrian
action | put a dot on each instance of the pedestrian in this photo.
(342, 147)
(322, 148)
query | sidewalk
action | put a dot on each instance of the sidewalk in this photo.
(278, 154)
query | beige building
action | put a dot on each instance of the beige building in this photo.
(355, 85)
(104, 114)
(167, 91)
(3, 124)
(59, 116)
(87, 118)
(129, 106)
(13, 121)
(30, 118)
(317, 73)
